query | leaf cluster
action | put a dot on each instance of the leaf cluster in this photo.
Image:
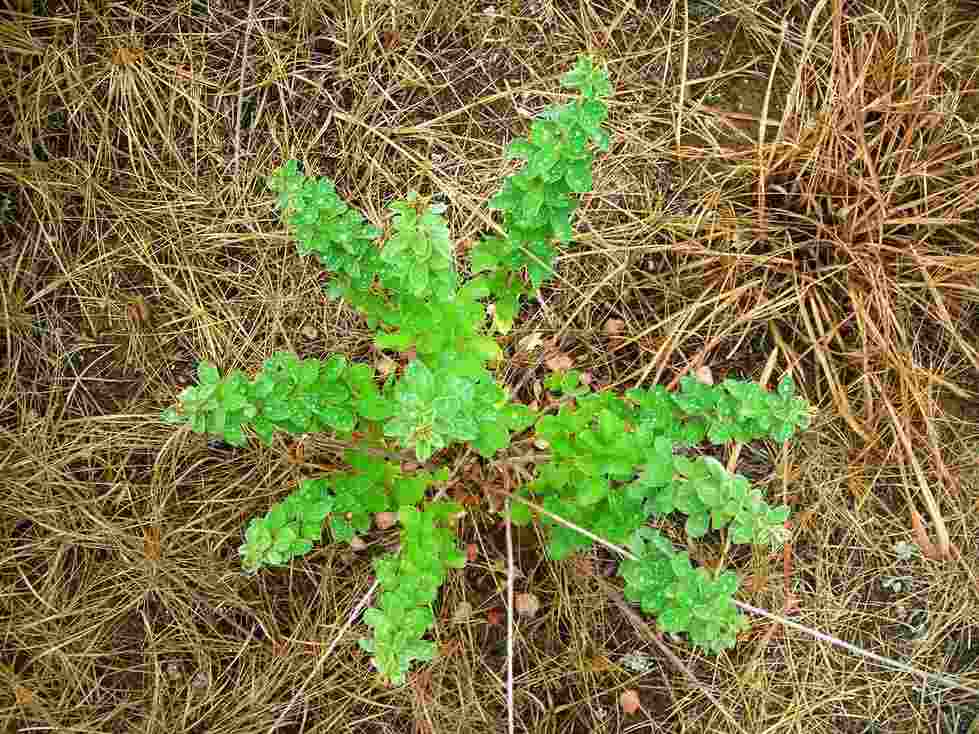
(418, 254)
(594, 450)
(288, 394)
(743, 411)
(374, 486)
(434, 328)
(538, 201)
(427, 409)
(326, 226)
(289, 529)
(410, 581)
(613, 463)
(407, 288)
(683, 598)
(215, 405)
(710, 496)
(438, 407)
(613, 466)
(347, 499)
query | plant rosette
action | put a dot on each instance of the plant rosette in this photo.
(612, 462)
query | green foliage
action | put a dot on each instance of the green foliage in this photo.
(743, 411)
(289, 394)
(427, 409)
(289, 529)
(538, 201)
(710, 496)
(433, 328)
(611, 461)
(593, 451)
(326, 226)
(411, 580)
(348, 499)
(453, 403)
(684, 599)
(613, 466)
(419, 253)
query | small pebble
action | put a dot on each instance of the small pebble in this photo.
(527, 605)
(386, 365)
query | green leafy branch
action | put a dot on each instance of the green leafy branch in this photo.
(683, 598)
(426, 409)
(742, 411)
(347, 499)
(613, 462)
(411, 580)
(613, 467)
(538, 201)
(288, 394)
(326, 226)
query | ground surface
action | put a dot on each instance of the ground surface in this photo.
(137, 239)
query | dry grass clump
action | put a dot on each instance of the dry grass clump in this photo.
(840, 232)
(860, 225)
(842, 239)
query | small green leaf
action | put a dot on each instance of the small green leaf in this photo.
(519, 148)
(397, 341)
(487, 349)
(519, 417)
(409, 491)
(659, 470)
(697, 525)
(424, 448)
(520, 514)
(419, 379)
(207, 374)
(170, 415)
(308, 372)
(579, 177)
(786, 387)
(492, 438)
(258, 535)
(234, 435)
(375, 408)
(709, 492)
(505, 313)
(592, 491)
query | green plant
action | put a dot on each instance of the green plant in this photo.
(612, 463)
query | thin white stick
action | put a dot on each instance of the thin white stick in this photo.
(324, 657)
(886, 662)
(509, 619)
(821, 636)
